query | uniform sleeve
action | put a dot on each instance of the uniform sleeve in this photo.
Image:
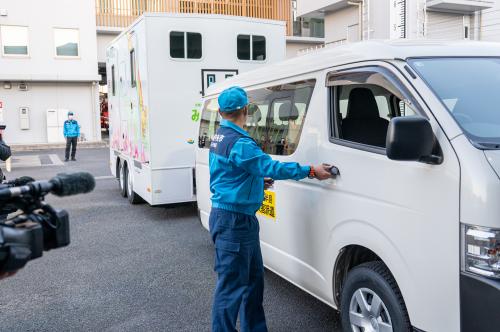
(247, 155)
(4, 151)
(77, 129)
(65, 130)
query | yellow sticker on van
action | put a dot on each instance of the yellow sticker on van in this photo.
(268, 207)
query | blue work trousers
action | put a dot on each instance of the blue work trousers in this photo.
(240, 271)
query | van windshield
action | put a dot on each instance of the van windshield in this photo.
(470, 90)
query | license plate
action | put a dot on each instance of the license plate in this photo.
(268, 207)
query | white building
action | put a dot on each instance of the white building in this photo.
(353, 20)
(48, 65)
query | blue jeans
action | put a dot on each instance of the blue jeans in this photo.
(240, 271)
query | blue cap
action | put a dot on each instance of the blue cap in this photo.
(70, 113)
(233, 99)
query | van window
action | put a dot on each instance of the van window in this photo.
(132, 68)
(363, 111)
(185, 45)
(275, 117)
(250, 47)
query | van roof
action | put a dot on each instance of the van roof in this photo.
(357, 52)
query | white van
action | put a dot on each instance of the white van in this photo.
(157, 69)
(407, 236)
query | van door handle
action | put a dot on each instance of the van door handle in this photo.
(334, 171)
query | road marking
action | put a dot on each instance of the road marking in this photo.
(55, 159)
(104, 177)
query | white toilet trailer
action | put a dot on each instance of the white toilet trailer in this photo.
(158, 70)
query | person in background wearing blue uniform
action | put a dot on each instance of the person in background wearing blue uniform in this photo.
(239, 172)
(71, 133)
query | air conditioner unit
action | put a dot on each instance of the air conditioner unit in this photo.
(23, 86)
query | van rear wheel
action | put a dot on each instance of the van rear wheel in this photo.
(133, 198)
(371, 301)
(122, 179)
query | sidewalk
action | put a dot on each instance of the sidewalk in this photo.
(39, 147)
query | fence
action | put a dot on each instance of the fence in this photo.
(121, 13)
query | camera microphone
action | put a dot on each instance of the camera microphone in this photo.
(72, 184)
(61, 185)
(23, 180)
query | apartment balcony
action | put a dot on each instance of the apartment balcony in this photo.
(459, 6)
(317, 8)
(118, 14)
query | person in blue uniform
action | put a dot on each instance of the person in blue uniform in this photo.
(71, 133)
(238, 169)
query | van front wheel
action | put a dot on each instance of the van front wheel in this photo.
(371, 301)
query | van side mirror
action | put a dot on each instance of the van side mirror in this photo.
(410, 138)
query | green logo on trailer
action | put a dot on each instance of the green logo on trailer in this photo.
(195, 115)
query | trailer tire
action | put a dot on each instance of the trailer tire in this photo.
(122, 178)
(365, 284)
(133, 198)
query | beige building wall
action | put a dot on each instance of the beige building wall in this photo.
(80, 98)
(52, 82)
(342, 25)
(103, 40)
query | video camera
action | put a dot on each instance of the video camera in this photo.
(36, 226)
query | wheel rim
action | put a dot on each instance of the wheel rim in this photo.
(129, 184)
(122, 177)
(368, 313)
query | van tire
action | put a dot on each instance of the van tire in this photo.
(374, 279)
(133, 198)
(122, 179)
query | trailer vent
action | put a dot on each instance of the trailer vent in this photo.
(23, 86)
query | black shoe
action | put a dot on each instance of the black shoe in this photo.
(73, 159)
(66, 159)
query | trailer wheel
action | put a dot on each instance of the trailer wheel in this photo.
(122, 179)
(371, 301)
(133, 198)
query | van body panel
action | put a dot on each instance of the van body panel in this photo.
(494, 160)
(480, 187)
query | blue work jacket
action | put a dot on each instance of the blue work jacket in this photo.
(71, 128)
(238, 167)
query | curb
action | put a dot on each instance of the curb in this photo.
(38, 147)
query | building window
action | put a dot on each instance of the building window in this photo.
(185, 45)
(133, 82)
(251, 47)
(14, 40)
(66, 42)
(275, 117)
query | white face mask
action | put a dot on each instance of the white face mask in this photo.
(70, 117)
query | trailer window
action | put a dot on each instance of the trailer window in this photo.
(132, 68)
(250, 47)
(193, 45)
(258, 48)
(185, 45)
(275, 117)
(177, 44)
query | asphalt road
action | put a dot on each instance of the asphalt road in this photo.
(131, 268)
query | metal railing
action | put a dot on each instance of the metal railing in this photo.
(121, 13)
